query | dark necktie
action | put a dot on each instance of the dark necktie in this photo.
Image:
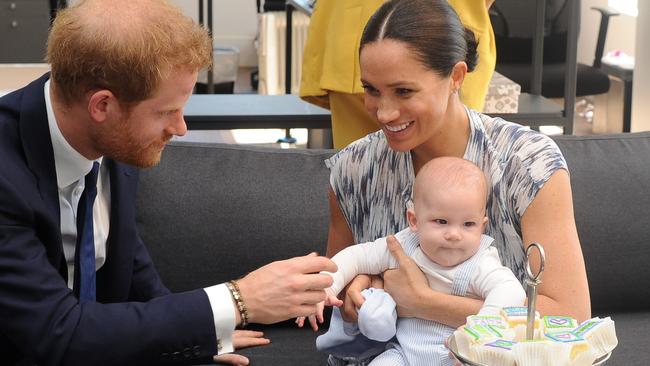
(84, 281)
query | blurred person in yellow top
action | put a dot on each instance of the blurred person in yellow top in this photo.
(330, 69)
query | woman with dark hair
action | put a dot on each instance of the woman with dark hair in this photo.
(414, 56)
(330, 67)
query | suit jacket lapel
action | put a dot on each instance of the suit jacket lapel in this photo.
(37, 145)
(114, 278)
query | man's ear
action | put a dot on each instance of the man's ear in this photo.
(101, 103)
(413, 221)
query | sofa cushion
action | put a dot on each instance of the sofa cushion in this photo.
(213, 212)
(610, 179)
(289, 346)
(632, 333)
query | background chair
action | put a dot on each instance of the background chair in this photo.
(513, 22)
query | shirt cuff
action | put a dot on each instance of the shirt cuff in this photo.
(223, 311)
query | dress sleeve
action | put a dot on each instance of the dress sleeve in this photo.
(351, 169)
(341, 183)
(534, 160)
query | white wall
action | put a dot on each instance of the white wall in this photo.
(641, 85)
(235, 23)
(621, 33)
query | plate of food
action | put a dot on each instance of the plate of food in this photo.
(502, 340)
(451, 345)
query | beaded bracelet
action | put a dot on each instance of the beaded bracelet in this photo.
(239, 301)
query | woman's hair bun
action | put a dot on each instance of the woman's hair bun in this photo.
(471, 59)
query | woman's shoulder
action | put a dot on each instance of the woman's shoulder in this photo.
(501, 131)
(512, 140)
(523, 158)
(364, 151)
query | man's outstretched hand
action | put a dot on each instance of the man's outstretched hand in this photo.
(286, 289)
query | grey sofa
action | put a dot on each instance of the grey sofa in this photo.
(212, 212)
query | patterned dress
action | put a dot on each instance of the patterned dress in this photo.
(373, 183)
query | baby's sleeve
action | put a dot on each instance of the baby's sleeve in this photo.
(365, 258)
(495, 283)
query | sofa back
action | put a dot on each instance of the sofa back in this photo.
(213, 212)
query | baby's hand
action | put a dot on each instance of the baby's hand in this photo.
(300, 321)
(314, 319)
(330, 300)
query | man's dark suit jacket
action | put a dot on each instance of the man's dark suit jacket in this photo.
(135, 321)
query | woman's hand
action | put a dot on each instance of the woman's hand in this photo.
(242, 339)
(405, 283)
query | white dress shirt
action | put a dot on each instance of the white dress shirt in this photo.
(71, 168)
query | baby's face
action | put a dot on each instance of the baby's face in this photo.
(449, 224)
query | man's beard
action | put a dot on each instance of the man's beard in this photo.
(120, 143)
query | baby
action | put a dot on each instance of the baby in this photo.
(445, 238)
